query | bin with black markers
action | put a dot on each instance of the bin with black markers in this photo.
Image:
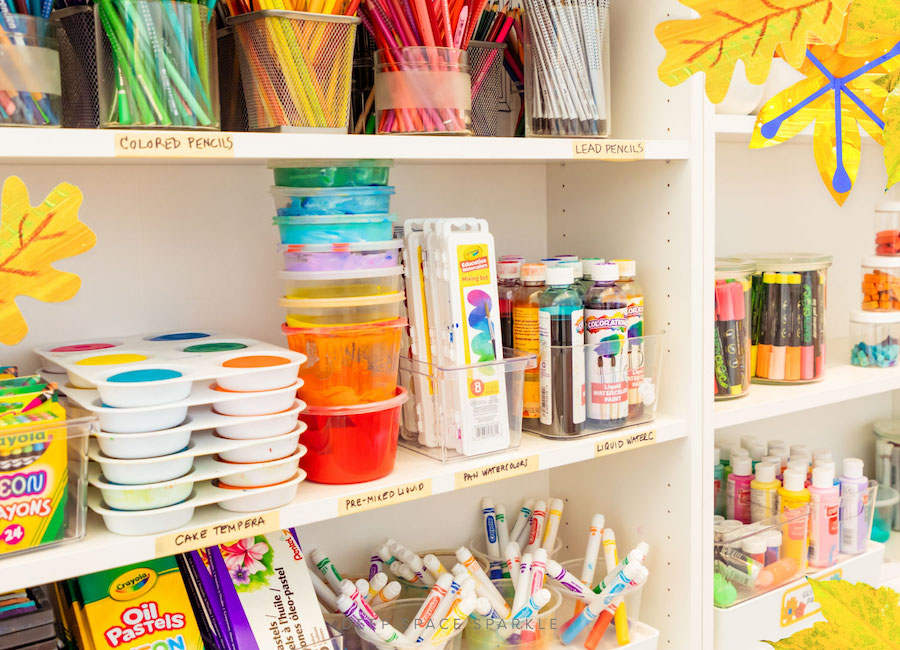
(732, 356)
(788, 304)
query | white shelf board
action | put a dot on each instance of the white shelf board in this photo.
(98, 145)
(314, 502)
(842, 382)
(739, 128)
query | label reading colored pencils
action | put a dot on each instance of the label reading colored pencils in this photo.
(608, 149)
(624, 443)
(384, 497)
(496, 471)
(189, 540)
(173, 145)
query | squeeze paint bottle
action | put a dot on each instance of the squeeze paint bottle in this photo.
(526, 336)
(854, 497)
(719, 480)
(561, 331)
(764, 492)
(507, 285)
(634, 314)
(792, 496)
(737, 497)
(824, 507)
(605, 325)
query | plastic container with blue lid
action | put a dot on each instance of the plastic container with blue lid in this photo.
(298, 201)
(331, 228)
(331, 173)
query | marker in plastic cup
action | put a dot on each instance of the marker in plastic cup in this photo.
(434, 566)
(327, 569)
(521, 520)
(376, 584)
(429, 605)
(554, 514)
(538, 517)
(465, 557)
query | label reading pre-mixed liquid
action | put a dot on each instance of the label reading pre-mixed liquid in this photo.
(572, 386)
(607, 374)
(527, 339)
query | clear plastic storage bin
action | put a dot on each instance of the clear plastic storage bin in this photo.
(537, 633)
(399, 614)
(304, 201)
(331, 173)
(733, 360)
(355, 283)
(331, 228)
(881, 283)
(887, 228)
(341, 256)
(464, 410)
(327, 312)
(887, 458)
(874, 339)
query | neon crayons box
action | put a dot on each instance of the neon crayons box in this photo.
(43, 466)
(136, 607)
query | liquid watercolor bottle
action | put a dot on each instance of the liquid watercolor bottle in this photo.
(526, 336)
(587, 265)
(562, 353)
(824, 508)
(764, 492)
(576, 267)
(854, 498)
(634, 313)
(507, 285)
(737, 497)
(604, 313)
(792, 497)
(719, 479)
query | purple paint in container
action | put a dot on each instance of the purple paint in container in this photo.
(341, 256)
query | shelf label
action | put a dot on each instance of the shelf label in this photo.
(173, 145)
(496, 472)
(624, 443)
(386, 497)
(189, 540)
(608, 149)
(799, 602)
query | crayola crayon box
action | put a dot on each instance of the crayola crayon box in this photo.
(43, 465)
(140, 606)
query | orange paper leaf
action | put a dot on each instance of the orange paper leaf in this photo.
(31, 239)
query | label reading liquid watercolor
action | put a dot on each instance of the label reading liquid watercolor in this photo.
(608, 388)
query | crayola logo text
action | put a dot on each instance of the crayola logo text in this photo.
(23, 439)
(132, 584)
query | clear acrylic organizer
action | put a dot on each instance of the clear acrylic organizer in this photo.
(437, 421)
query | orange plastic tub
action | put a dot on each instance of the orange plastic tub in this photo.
(348, 365)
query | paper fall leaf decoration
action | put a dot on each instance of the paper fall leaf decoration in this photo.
(747, 30)
(873, 27)
(31, 239)
(840, 94)
(858, 616)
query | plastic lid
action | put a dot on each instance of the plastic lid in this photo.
(315, 163)
(350, 274)
(566, 257)
(754, 545)
(533, 272)
(559, 276)
(801, 450)
(342, 247)
(757, 451)
(604, 272)
(875, 317)
(576, 266)
(773, 538)
(398, 400)
(508, 269)
(773, 459)
(326, 219)
(746, 441)
(739, 452)
(786, 262)
(717, 455)
(741, 466)
(888, 206)
(828, 464)
(822, 477)
(880, 261)
(799, 463)
(765, 472)
(363, 190)
(550, 261)
(775, 443)
(887, 428)
(793, 480)
(732, 266)
(343, 303)
(821, 454)
(511, 258)
(627, 268)
(853, 467)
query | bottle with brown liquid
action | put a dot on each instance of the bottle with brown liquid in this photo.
(526, 337)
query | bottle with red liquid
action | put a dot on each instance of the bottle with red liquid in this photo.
(507, 284)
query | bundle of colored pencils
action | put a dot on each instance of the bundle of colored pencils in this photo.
(503, 24)
(20, 101)
(160, 71)
(333, 7)
(397, 24)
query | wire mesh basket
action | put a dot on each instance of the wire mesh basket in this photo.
(295, 69)
(233, 107)
(29, 71)
(78, 67)
(490, 96)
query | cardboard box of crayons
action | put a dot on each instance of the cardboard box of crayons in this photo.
(43, 465)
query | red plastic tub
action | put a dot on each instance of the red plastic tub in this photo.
(352, 444)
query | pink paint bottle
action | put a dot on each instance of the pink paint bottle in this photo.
(737, 500)
(824, 507)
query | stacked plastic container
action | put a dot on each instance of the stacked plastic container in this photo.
(343, 296)
(875, 328)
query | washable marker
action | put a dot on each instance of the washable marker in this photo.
(521, 520)
(571, 583)
(417, 566)
(534, 604)
(554, 514)
(390, 592)
(523, 584)
(502, 535)
(376, 584)
(603, 621)
(490, 591)
(459, 612)
(538, 569)
(637, 555)
(492, 544)
(385, 555)
(611, 556)
(618, 584)
(538, 517)
(362, 586)
(327, 569)
(351, 610)
(443, 608)
(807, 329)
(376, 565)
(434, 566)
(405, 571)
(792, 353)
(511, 553)
(348, 588)
(429, 606)
(591, 555)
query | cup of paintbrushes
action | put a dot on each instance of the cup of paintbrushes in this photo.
(29, 71)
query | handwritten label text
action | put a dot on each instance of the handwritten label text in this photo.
(386, 497)
(496, 471)
(174, 145)
(188, 540)
(608, 149)
(624, 442)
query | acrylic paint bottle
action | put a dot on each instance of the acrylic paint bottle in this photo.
(719, 479)
(757, 450)
(792, 497)
(737, 496)
(605, 325)
(854, 498)
(634, 314)
(824, 507)
(764, 492)
(562, 377)
(507, 285)
(526, 336)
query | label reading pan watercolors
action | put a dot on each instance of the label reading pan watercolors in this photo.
(384, 497)
(189, 540)
(608, 149)
(624, 443)
(173, 145)
(496, 471)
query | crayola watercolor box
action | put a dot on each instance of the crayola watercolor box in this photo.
(43, 466)
(140, 606)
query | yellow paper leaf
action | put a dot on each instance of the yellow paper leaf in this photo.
(31, 239)
(891, 114)
(872, 26)
(748, 30)
(824, 147)
(859, 617)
